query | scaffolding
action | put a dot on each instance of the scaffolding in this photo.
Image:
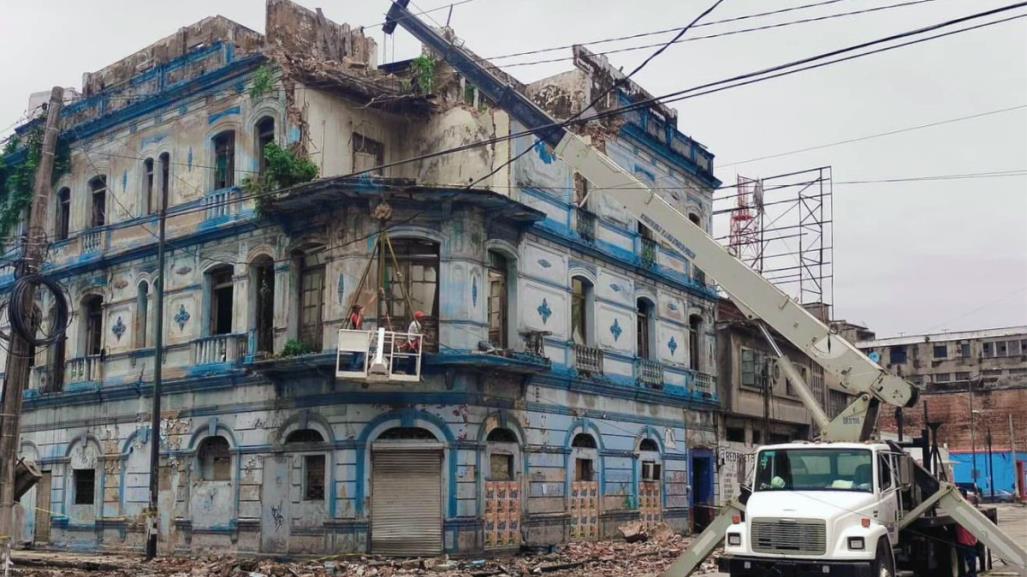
(782, 227)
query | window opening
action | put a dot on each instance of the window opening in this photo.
(498, 304)
(85, 486)
(98, 194)
(221, 301)
(214, 459)
(224, 160)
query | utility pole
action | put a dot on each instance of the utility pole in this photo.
(18, 364)
(158, 362)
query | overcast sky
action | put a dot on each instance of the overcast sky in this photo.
(909, 257)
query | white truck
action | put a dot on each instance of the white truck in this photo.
(843, 506)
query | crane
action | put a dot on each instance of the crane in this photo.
(761, 302)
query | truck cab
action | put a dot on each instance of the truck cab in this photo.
(818, 509)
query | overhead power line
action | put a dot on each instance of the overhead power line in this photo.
(710, 36)
(663, 31)
(877, 135)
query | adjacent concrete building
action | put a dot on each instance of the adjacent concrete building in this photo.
(568, 376)
(759, 403)
(975, 384)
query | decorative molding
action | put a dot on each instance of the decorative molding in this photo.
(672, 344)
(616, 330)
(544, 311)
(182, 317)
(119, 328)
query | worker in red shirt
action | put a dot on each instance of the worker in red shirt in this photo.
(966, 543)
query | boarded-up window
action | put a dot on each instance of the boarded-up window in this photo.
(314, 478)
(501, 467)
(85, 486)
(368, 155)
(214, 459)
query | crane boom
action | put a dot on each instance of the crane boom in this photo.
(755, 296)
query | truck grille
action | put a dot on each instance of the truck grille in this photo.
(798, 536)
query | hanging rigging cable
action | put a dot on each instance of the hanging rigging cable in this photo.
(21, 309)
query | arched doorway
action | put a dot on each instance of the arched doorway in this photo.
(584, 497)
(406, 493)
(650, 486)
(502, 490)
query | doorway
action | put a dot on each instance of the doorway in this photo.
(701, 500)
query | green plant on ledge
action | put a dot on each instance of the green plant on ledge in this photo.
(295, 348)
(263, 82)
(424, 73)
(283, 168)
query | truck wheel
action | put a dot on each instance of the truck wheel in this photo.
(884, 562)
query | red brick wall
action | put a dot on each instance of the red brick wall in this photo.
(953, 410)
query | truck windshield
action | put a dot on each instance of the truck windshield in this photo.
(815, 470)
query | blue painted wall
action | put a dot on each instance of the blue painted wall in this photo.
(1001, 465)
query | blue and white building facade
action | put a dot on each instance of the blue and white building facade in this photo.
(576, 416)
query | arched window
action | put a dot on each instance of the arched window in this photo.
(98, 200)
(418, 269)
(221, 300)
(265, 136)
(92, 320)
(162, 198)
(142, 310)
(646, 328)
(311, 296)
(262, 277)
(502, 448)
(501, 435)
(148, 189)
(224, 159)
(697, 274)
(304, 436)
(581, 311)
(648, 445)
(57, 353)
(313, 464)
(214, 459)
(407, 433)
(584, 441)
(694, 336)
(498, 313)
(63, 216)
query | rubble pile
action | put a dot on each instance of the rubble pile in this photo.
(647, 556)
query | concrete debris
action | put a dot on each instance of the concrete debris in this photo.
(585, 559)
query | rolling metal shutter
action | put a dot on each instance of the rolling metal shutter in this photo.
(406, 500)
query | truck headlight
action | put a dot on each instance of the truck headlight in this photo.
(734, 539)
(857, 543)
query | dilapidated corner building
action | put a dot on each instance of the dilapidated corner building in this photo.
(564, 350)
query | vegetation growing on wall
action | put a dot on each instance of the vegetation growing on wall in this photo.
(424, 73)
(263, 82)
(18, 177)
(295, 348)
(284, 167)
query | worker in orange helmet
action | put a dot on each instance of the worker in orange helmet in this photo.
(415, 328)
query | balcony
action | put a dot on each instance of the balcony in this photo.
(649, 251)
(705, 383)
(650, 373)
(586, 225)
(221, 203)
(588, 360)
(93, 240)
(219, 349)
(88, 369)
